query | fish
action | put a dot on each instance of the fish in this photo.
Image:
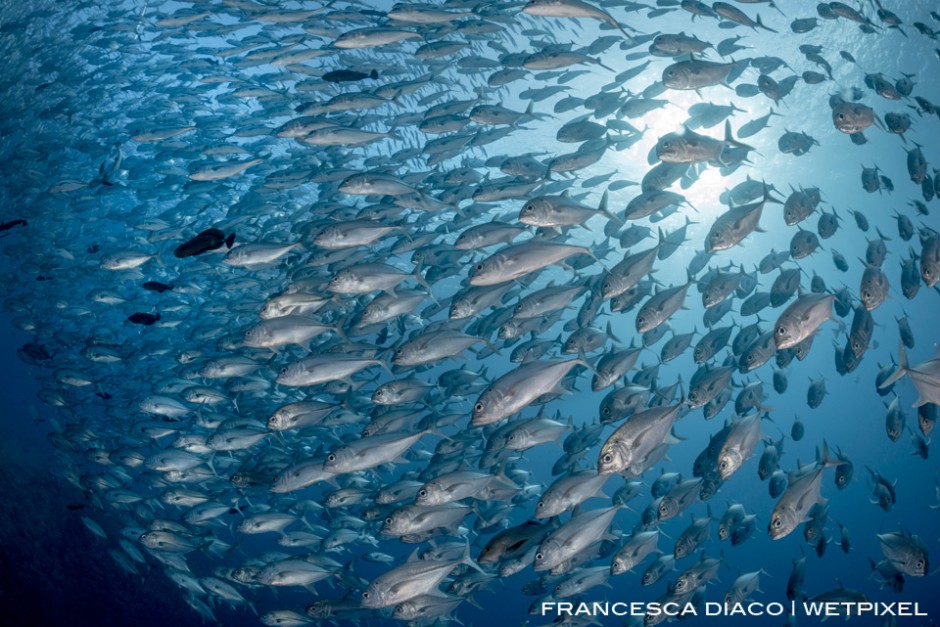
(801, 319)
(634, 551)
(348, 76)
(519, 388)
(733, 226)
(205, 241)
(574, 536)
(6, 226)
(518, 260)
(693, 536)
(739, 445)
(852, 117)
(156, 286)
(661, 306)
(696, 74)
(690, 147)
(803, 491)
(408, 581)
(222, 171)
(571, 9)
(925, 377)
(630, 447)
(906, 552)
(144, 318)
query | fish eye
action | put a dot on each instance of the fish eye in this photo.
(841, 116)
(479, 266)
(478, 407)
(331, 458)
(421, 493)
(540, 505)
(539, 556)
(388, 520)
(608, 458)
(365, 595)
(284, 370)
(781, 331)
(606, 411)
(777, 523)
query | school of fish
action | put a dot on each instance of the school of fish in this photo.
(316, 284)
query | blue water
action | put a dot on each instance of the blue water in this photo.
(78, 81)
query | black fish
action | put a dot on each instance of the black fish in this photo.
(143, 318)
(75, 506)
(345, 76)
(210, 239)
(6, 226)
(35, 351)
(156, 286)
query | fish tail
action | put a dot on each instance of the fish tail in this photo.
(825, 460)
(901, 370)
(420, 279)
(761, 25)
(583, 361)
(602, 208)
(730, 140)
(469, 561)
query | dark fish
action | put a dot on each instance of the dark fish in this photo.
(6, 226)
(145, 319)
(797, 430)
(156, 286)
(210, 239)
(34, 352)
(348, 76)
(803, 25)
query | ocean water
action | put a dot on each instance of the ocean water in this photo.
(83, 79)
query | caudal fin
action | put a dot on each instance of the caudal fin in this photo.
(731, 141)
(901, 369)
